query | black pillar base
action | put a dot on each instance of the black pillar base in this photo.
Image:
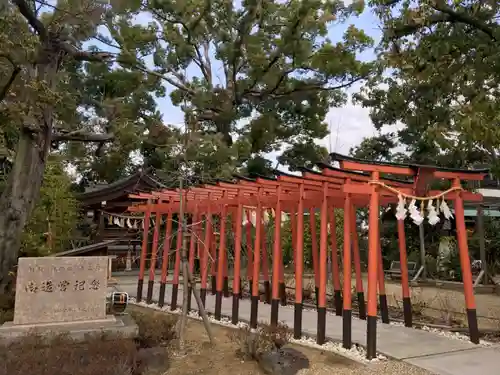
(337, 300)
(213, 281)
(140, 284)
(384, 309)
(473, 328)
(407, 312)
(267, 292)
(347, 329)
(321, 329)
(316, 295)
(361, 306)
(240, 288)
(297, 321)
(282, 289)
(253, 311)
(203, 296)
(236, 308)
(149, 295)
(161, 299)
(218, 305)
(226, 287)
(275, 303)
(175, 292)
(190, 293)
(371, 337)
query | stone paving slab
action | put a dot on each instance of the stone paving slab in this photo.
(480, 361)
(393, 341)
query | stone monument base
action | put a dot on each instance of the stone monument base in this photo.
(121, 326)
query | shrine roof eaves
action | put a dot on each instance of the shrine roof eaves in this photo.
(121, 187)
(339, 157)
(354, 173)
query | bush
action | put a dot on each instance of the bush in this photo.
(98, 355)
(155, 329)
(7, 307)
(252, 345)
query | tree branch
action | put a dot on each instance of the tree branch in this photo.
(85, 55)
(204, 65)
(319, 86)
(48, 38)
(82, 136)
(445, 14)
(5, 89)
(15, 72)
(34, 22)
(178, 85)
(463, 17)
(274, 58)
(243, 30)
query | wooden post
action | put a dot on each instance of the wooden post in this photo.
(421, 235)
(463, 248)
(482, 247)
(276, 255)
(299, 266)
(373, 258)
(347, 306)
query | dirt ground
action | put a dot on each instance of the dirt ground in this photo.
(155, 352)
(222, 358)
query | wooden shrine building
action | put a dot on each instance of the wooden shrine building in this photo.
(107, 219)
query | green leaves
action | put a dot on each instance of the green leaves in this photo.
(258, 74)
(441, 79)
(55, 216)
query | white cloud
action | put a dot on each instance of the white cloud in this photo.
(348, 126)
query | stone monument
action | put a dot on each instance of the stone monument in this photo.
(63, 294)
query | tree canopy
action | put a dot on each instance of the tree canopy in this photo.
(259, 76)
(439, 77)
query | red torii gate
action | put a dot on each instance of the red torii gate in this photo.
(357, 183)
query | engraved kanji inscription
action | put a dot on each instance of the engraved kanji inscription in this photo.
(31, 287)
(63, 285)
(94, 285)
(60, 289)
(47, 286)
(79, 285)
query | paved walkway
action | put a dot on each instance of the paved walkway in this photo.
(438, 354)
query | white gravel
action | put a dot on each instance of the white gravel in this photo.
(356, 353)
(440, 332)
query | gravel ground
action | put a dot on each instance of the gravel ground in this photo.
(222, 359)
(387, 368)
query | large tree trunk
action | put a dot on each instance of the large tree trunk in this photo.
(25, 178)
(17, 202)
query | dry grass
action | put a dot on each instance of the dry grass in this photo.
(6, 307)
(97, 355)
(250, 345)
(225, 356)
(155, 328)
(60, 355)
